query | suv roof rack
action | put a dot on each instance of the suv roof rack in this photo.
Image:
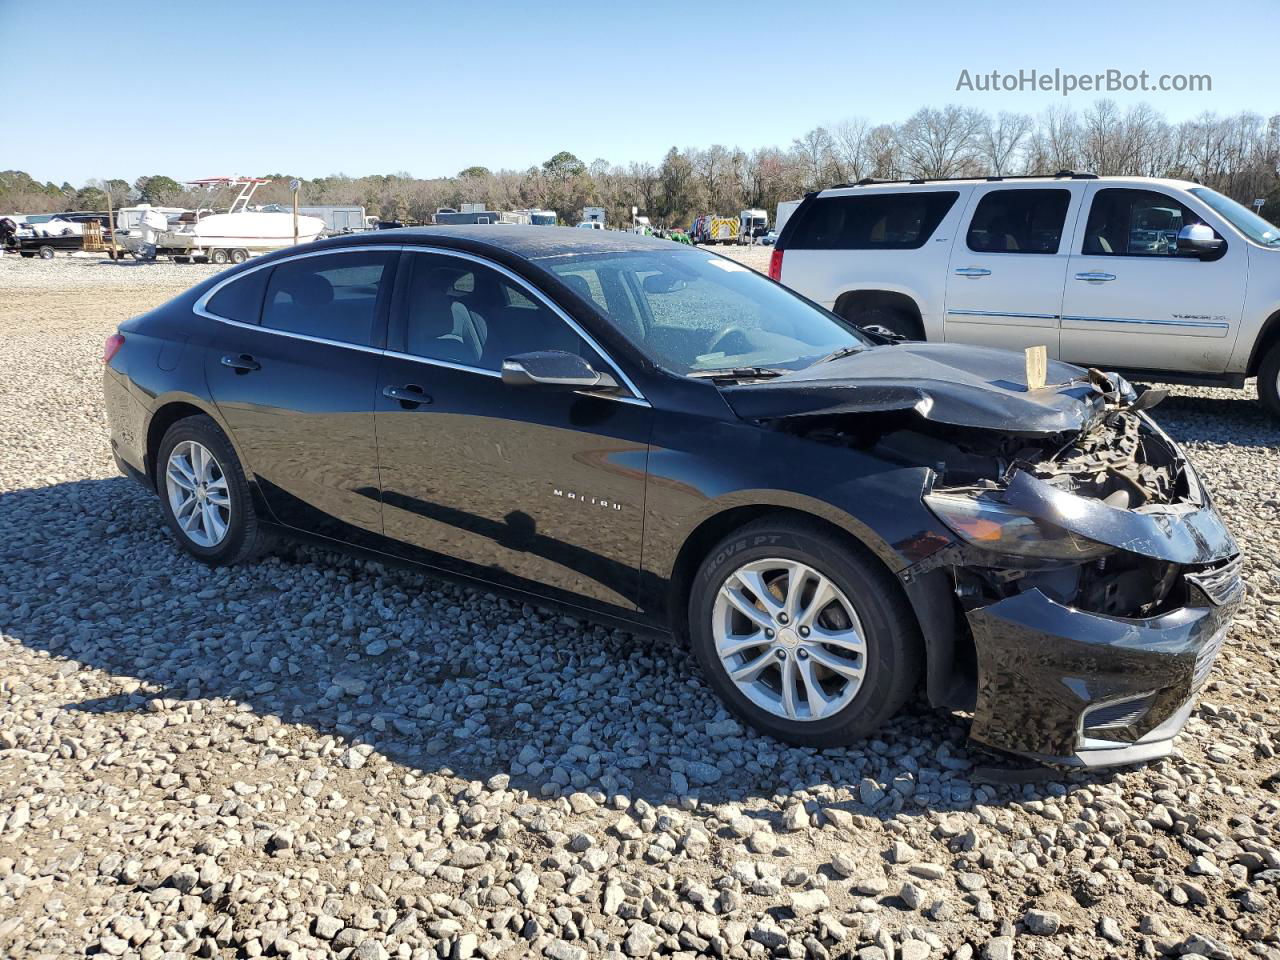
(1060, 175)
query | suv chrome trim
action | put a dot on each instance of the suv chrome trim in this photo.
(1198, 324)
(202, 309)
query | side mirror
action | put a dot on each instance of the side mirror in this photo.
(554, 370)
(1199, 240)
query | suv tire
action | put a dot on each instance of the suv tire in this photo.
(1269, 380)
(891, 654)
(197, 470)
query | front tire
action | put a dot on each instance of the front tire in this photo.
(219, 257)
(46, 253)
(803, 633)
(1269, 380)
(204, 494)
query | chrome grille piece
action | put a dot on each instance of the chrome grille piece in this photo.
(1204, 659)
(1220, 583)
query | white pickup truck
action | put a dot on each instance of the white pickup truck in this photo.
(1163, 280)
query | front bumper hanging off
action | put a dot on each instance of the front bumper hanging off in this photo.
(1072, 688)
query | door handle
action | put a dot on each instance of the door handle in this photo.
(973, 272)
(1095, 277)
(410, 396)
(241, 363)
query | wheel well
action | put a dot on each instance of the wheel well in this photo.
(1269, 336)
(850, 303)
(161, 421)
(714, 529)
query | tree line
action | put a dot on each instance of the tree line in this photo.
(1238, 155)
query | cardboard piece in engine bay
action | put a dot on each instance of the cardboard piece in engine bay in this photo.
(1049, 675)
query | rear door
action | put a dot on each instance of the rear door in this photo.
(1131, 301)
(292, 367)
(1008, 265)
(529, 488)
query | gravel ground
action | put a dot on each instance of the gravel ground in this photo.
(313, 756)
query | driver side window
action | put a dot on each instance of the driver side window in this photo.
(465, 313)
(1135, 223)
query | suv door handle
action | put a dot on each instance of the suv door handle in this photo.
(241, 363)
(410, 396)
(973, 272)
(1095, 277)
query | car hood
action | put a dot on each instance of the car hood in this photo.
(946, 383)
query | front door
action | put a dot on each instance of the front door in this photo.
(1004, 282)
(293, 370)
(526, 487)
(1131, 301)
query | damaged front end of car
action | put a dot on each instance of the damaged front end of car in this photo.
(1098, 583)
(1096, 580)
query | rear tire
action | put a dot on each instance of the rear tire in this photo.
(235, 535)
(219, 257)
(866, 602)
(46, 253)
(899, 321)
(1269, 380)
(239, 256)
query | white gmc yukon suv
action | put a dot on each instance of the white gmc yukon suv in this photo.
(1163, 280)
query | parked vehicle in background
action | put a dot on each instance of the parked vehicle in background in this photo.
(539, 218)
(593, 215)
(719, 230)
(752, 224)
(1164, 280)
(769, 239)
(337, 218)
(785, 209)
(591, 225)
(660, 438)
(46, 248)
(446, 216)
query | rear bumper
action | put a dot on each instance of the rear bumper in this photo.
(1072, 688)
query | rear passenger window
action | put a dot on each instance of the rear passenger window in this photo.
(334, 297)
(1019, 221)
(241, 299)
(872, 221)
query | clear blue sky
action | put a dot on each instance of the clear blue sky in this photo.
(196, 89)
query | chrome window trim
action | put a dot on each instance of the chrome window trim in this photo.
(201, 308)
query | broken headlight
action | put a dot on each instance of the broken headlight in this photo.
(987, 523)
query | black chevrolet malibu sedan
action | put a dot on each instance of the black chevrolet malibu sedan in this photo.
(659, 437)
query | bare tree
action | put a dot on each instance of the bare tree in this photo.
(940, 143)
(814, 152)
(1001, 140)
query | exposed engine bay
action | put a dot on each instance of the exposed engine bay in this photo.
(1118, 459)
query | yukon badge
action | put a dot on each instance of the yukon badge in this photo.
(586, 499)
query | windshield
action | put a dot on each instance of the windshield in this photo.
(1241, 217)
(692, 311)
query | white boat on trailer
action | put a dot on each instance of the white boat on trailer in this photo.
(230, 237)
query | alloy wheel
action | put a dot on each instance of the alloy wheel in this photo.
(198, 494)
(789, 639)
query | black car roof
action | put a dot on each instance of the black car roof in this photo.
(522, 240)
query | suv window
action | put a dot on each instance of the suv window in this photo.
(1019, 221)
(334, 297)
(1135, 223)
(463, 312)
(241, 299)
(872, 221)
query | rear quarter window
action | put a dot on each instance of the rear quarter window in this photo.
(872, 221)
(241, 299)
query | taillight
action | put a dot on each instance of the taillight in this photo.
(112, 347)
(775, 265)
